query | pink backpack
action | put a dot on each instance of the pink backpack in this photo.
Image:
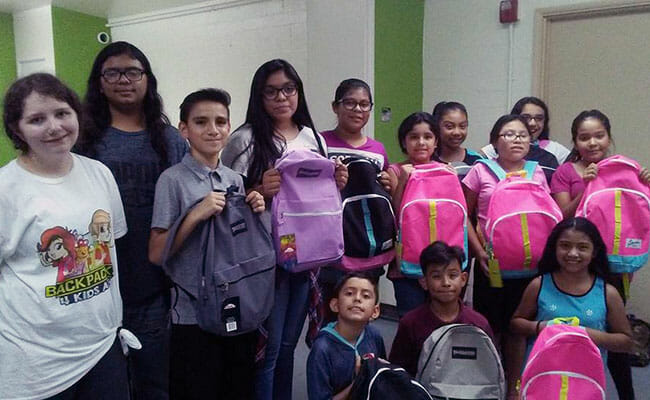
(563, 364)
(433, 208)
(618, 203)
(521, 215)
(306, 214)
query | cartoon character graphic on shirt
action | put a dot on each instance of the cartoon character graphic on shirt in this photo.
(85, 268)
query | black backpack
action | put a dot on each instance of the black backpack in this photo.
(368, 217)
(379, 380)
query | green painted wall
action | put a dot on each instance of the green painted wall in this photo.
(75, 45)
(7, 75)
(399, 28)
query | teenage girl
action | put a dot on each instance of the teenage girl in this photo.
(417, 137)
(450, 120)
(592, 137)
(277, 120)
(574, 273)
(59, 327)
(352, 105)
(548, 153)
(510, 138)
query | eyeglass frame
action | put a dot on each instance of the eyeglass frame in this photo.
(356, 103)
(539, 118)
(123, 73)
(276, 91)
(515, 136)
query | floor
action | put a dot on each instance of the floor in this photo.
(641, 376)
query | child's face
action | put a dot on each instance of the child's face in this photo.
(513, 149)
(355, 119)
(48, 126)
(420, 142)
(356, 302)
(277, 103)
(124, 92)
(207, 129)
(574, 251)
(57, 250)
(453, 129)
(444, 283)
(535, 116)
(592, 140)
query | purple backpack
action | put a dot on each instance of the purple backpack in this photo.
(306, 215)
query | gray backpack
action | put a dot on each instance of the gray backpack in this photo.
(232, 285)
(459, 361)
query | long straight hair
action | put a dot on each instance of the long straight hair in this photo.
(265, 151)
(97, 113)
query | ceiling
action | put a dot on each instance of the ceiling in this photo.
(100, 8)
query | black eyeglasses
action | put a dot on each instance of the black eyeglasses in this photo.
(538, 118)
(511, 136)
(351, 105)
(113, 75)
(271, 92)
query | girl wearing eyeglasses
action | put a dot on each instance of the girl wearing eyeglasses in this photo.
(548, 153)
(277, 121)
(511, 138)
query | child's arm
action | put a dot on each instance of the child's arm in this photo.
(211, 204)
(405, 172)
(566, 203)
(619, 335)
(523, 320)
(471, 199)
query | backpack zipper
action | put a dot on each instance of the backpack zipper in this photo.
(563, 373)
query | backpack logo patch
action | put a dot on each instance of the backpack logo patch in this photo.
(464, 353)
(308, 173)
(633, 243)
(238, 227)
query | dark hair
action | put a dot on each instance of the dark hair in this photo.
(440, 253)
(575, 125)
(504, 119)
(209, 94)
(361, 275)
(350, 84)
(14, 102)
(519, 105)
(98, 115)
(409, 122)
(265, 152)
(599, 264)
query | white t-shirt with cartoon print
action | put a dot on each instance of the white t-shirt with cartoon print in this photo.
(60, 303)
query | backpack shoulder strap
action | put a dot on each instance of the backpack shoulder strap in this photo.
(530, 167)
(494, 167)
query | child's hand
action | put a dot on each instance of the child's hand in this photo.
(644, 175)
(386, 182)
(406, 170)
(255, 201)
(212, 204)
(591, 172)
(340, 174)
(271, 181)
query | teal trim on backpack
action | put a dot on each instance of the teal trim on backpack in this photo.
(474, 153)
(329, 328)
(626, 264)
(410, 270)
(500, 173)
(465, 247)
(372, 243)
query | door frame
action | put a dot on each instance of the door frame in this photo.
(545, 16)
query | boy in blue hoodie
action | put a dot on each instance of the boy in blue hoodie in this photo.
(334, 359)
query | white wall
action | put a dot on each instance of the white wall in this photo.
(34, 41)
(466, 58)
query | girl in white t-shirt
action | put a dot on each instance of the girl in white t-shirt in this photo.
(60, 306)
(277, 120)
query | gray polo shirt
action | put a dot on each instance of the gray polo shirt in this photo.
(179, 188)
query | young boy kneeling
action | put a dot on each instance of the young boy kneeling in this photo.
(335, 359)
(203, 365)
(443, 280)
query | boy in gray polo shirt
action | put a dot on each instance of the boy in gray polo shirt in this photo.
(202, 365)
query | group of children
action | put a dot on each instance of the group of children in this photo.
(41, 117)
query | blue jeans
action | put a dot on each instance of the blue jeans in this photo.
(149, 366)
(107, 380)
(408, 295)
(274, 380)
